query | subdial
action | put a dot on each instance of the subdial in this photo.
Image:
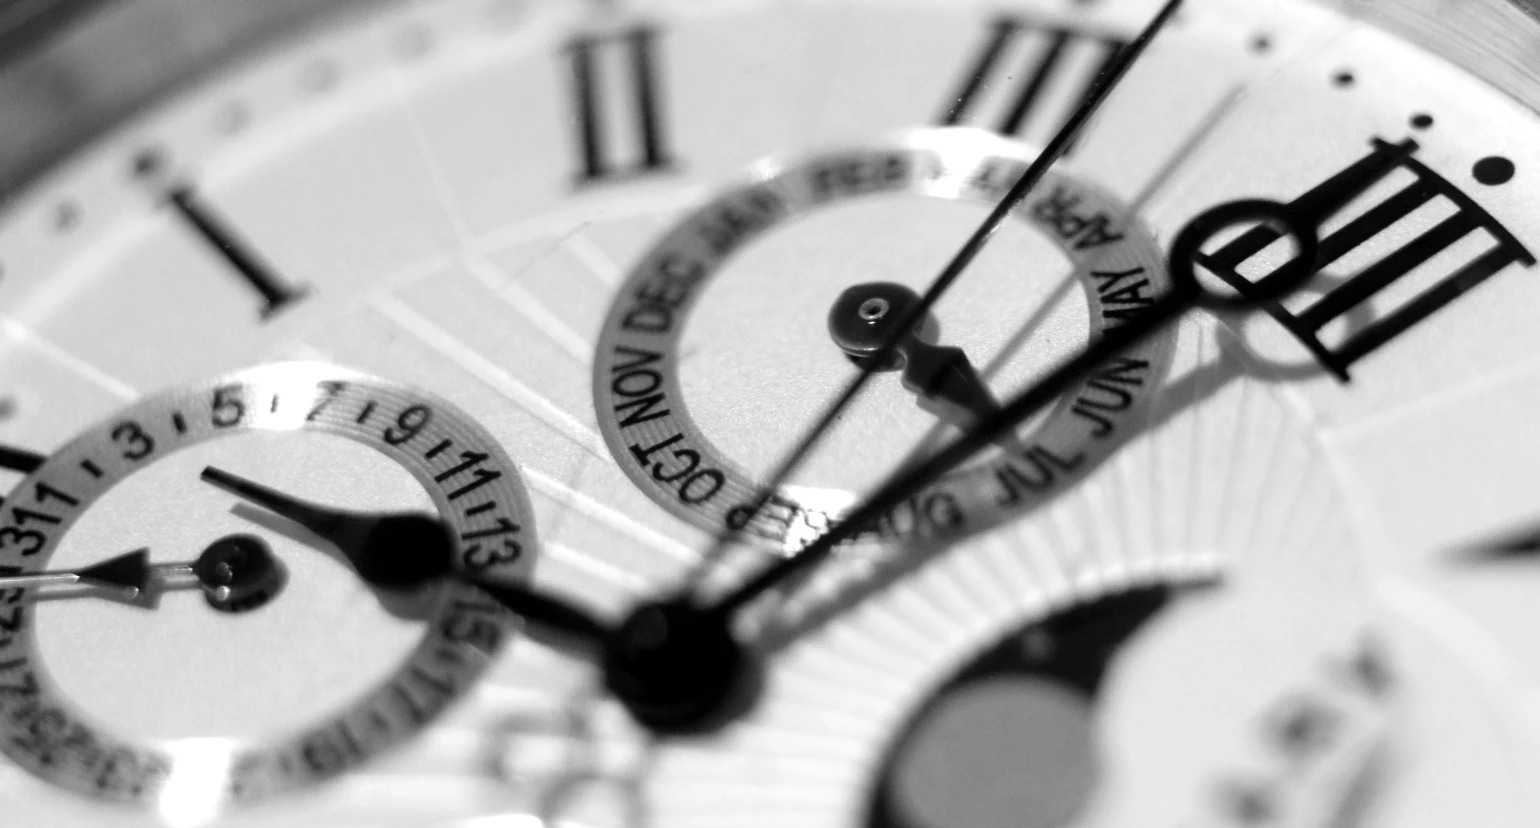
(299, 662)
(735, 329)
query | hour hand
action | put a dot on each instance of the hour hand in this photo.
(942, 377)
(1524, 542)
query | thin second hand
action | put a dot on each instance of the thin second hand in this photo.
(970, 250)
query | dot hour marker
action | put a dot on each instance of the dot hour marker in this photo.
(1493, 170)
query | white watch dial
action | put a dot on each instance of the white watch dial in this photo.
(513, 205)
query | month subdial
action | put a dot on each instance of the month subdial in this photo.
(742, 322)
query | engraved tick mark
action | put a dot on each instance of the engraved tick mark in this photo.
(66, 216)
(149, 162)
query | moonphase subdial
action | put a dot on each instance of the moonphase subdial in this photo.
(1298, 727)
(209, 709)
(737, 327)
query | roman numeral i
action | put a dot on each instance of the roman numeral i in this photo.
(1026, 79)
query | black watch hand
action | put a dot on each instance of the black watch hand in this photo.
(1055, 149)
(675, 663)
(1521, 542)
(671, 686)
(20, 459)
(398, 550)
(1186, 294)
(391, 550)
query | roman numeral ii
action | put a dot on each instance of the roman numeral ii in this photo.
(637, 88)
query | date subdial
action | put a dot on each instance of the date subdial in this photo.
(292, 668)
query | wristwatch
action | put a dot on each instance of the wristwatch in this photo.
(1195, 333)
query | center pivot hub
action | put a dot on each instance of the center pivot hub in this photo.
(678, 669)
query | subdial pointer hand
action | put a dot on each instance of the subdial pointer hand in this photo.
(949, 386)
(402, 550)
(391, 550)
(236, 573)
(129, 573)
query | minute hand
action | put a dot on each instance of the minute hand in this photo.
(1186, 293)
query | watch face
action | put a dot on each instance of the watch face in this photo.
(570, 281)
